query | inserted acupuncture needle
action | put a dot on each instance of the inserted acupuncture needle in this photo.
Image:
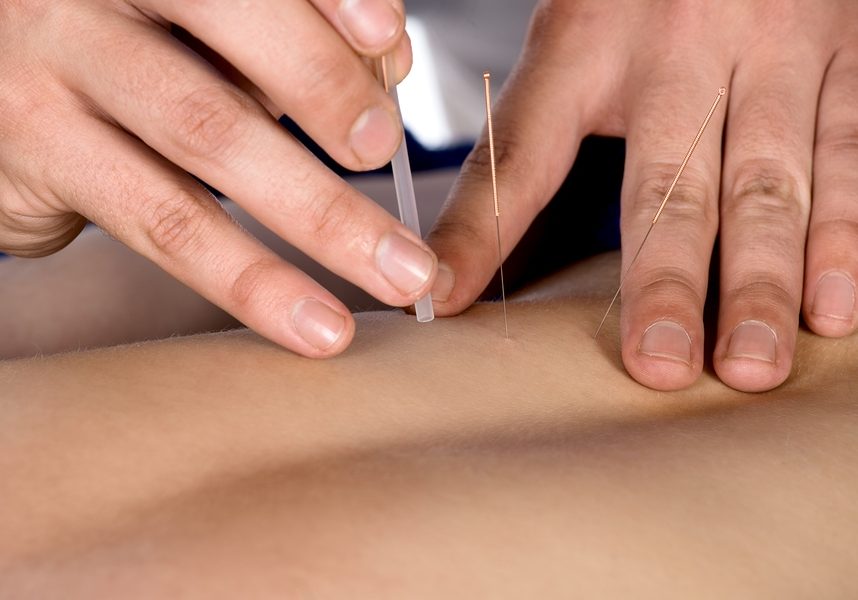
(487, 78)
(721, 93)
(404, 182)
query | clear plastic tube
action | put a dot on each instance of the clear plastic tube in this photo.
(404, 183)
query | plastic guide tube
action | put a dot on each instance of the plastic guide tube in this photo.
(404, 183)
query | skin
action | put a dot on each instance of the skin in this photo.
(476, 467)
(109, 106)
(782, 195)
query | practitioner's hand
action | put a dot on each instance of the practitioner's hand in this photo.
(103, 112)
(649, 71)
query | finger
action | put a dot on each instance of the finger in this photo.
(665, 291)
(832, 246)
(372, 27)
(209, 128)
(533, 157)
(764, 213)
(164, 215)
(402, 59)
(293, 55)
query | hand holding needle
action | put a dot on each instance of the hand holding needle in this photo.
(721, 93)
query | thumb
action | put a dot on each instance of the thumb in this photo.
(537, 131)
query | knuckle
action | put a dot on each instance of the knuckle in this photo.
(691, 199)
(838, 141)
(323, 73)
(671, 287)
(513, 166)
(767, 189)
(177, 224)
(509, 161)
(840, 228)
(763, 290)
(209, 123)
(332, 215)
(464, 241)
(833, 241)
(248, 287)
(450, 231)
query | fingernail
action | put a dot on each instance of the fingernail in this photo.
(319, 324)
(444, 283)
(371, 22)
(666, 339)
(754, 340)
(835, 297)
(375, 136)
(404, 264)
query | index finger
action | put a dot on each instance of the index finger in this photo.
(372, 27)
(164, 215)
(305, 68)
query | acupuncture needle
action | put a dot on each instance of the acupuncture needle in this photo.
(721, 93)
(404, 182)
(487, 78)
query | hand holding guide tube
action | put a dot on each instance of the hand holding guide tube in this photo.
(106, 107)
